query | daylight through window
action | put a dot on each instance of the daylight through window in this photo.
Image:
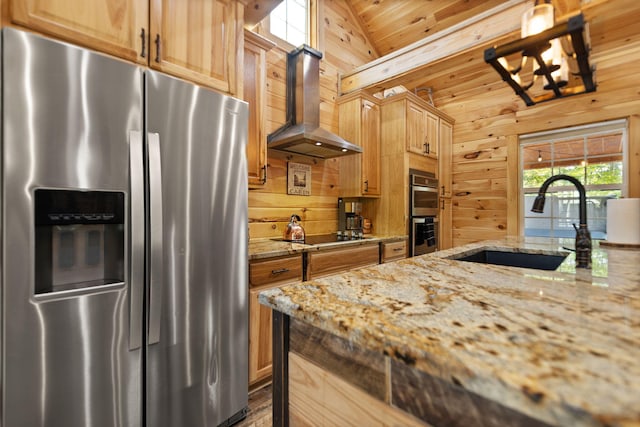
(288, 21)
(593, 154)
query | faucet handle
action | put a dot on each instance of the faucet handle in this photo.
(575, 227)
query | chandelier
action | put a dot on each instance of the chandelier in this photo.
(550, 60)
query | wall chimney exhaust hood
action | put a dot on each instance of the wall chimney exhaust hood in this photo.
(302, 134)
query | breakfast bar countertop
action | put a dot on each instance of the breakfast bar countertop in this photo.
(560, 346)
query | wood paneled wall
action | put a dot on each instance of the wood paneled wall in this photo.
(270, 207)
(489, 118)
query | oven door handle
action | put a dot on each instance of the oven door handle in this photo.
(427, 189)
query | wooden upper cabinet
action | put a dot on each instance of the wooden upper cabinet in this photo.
(200, 41)
(255, 93)
(359, 123)
(444, 163)
(416, 129)
(422, 130)
(116, 27)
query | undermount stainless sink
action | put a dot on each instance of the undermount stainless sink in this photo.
(536, 261)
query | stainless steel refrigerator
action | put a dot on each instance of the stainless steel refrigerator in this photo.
(124, 243)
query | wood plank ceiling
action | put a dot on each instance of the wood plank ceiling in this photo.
(394, 24)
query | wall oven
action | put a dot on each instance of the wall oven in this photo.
(424, 235)
(424, 193)
(423, 199)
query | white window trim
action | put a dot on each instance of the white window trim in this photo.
(558, 135)
(263, 29)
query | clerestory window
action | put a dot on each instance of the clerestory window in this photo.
(289, 21)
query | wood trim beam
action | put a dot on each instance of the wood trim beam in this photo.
(280, 390)
(483, 28)
(514, 222)
(633, 141)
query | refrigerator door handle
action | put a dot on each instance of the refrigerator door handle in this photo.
(155, 236)
(136, 278)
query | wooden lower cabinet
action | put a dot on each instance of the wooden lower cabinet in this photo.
(263, 275)
(393, 251)
(324, 263)
(445, 234)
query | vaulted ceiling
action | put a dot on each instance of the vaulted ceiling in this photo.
(394, 24)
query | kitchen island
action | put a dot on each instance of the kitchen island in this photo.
(435, 341)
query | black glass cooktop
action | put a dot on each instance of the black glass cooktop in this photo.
(329, 238)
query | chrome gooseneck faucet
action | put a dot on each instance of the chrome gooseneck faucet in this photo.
(583, 236)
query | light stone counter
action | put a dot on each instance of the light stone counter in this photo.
(269, 248)
(562, 347)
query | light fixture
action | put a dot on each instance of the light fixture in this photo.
(553, 50)
(539, 155)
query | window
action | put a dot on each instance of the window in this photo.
(593, 154)
(289, 21)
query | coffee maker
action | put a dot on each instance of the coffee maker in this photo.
(350, 220)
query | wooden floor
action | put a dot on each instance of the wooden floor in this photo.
(259, 409)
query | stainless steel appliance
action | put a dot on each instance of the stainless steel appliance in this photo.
(424, 204)
(350, 221)
(124, 245)
(424, 235)
(301, 133)
(424, 193)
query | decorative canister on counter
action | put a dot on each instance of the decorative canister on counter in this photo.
(366, 226)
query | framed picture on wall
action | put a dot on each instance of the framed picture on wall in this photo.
(298, 179)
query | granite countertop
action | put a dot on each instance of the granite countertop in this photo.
(560, 346)
(270, 247)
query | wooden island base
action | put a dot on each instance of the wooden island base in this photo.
(322, 379)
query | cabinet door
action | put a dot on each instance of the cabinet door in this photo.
(444, 158)
(118, 28)
(324, 263)
(201, 43)
(445, 235)
(254, 92)
(371, 148)
(259, 338)
(416, 129)
(266, 274)
(394, 251)
(432, 137)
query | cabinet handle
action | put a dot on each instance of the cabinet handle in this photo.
(264, 174)
(144, 43)
(442, 190)
(398, 249)
(366, 186)
(442, 204)
(426, 148)
(157, 47)
(279, 271)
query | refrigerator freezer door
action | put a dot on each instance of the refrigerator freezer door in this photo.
(66, 354)
(198, 371)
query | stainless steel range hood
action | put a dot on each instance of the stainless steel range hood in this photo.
(302, 134)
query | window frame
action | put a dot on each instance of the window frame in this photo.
(311, 36)
(565, 134)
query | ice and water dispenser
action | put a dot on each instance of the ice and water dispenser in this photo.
(80, 239)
